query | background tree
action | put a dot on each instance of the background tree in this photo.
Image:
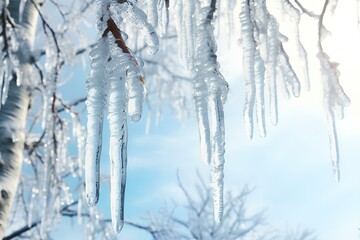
(167, 225)
(40, 72)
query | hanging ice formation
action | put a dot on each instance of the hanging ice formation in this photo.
(335, 100)
(334, 96)
(210, 88)
(293, 16)
(263, 53)
(116, 80)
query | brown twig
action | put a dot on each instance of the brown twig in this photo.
(114, 29)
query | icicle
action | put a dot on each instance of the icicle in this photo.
(201, 109)
(2, 80)
(163, 20)
(288, 72)
(210, 83)
(6, 82)
(294, 17)
(118, 161)
(34, 193)
(180, 31)
(138, 18)
(273, 44)
(185, 11)
(229, 19)
(189, 30)
(261, 20)
(248, 45)
(152, 13)
(80, 134)
(95, 103)
(47, 179)
(259, 93)
(118, 138)
(218, 151)
(136, 92)
(80, 205)
(147, 125)
(334, 97)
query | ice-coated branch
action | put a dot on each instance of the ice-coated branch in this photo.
(334, 97)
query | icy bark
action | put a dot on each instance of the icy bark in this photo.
(13, 116)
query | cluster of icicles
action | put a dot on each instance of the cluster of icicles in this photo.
(116, 81)
(265, 62)
(198, 54)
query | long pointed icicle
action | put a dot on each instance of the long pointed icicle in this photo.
(259, 93)
(334, 98)
(201, 109)
(248, 45)
(95, 103)
(273, 35)
(118, 138)
(207, 70)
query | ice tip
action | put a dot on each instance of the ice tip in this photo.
(118, 225)
(92, 199)
(135, 117)
(218, 218)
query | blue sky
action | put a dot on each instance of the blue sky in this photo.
(290, 168)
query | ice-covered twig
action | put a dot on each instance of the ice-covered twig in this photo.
(335, 99)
